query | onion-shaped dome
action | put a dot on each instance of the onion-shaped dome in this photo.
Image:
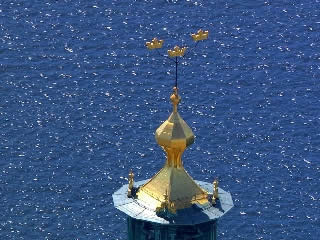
(174, 132)
(172, 184)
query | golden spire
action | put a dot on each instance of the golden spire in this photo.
(172, 188)
(172, 183)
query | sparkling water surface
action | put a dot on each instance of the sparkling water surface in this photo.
(81, 97)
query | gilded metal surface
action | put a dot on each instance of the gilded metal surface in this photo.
(200, 35)
(177, 51)
(131, 182)
(166, 205)
(174, 136)
(215, 189)
(155, 43)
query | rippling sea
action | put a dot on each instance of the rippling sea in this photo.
(81, 97)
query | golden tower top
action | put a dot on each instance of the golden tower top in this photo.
(172, 188)
(172, 185)
(167, 197)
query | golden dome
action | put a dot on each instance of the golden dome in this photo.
(172, 181)
(174, 132)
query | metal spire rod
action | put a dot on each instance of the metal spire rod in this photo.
(176, 85)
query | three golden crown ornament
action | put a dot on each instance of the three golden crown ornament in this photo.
(177, 51)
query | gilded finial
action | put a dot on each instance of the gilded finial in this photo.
(165, 195)
(131, 181)
(167, 207)
(155, 43)
(172, 208)
(177, 51)
(200, 35)
(175, 99)
(215, 189)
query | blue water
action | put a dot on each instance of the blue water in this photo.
(81, 97)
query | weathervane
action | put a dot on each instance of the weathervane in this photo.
(177, 51)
